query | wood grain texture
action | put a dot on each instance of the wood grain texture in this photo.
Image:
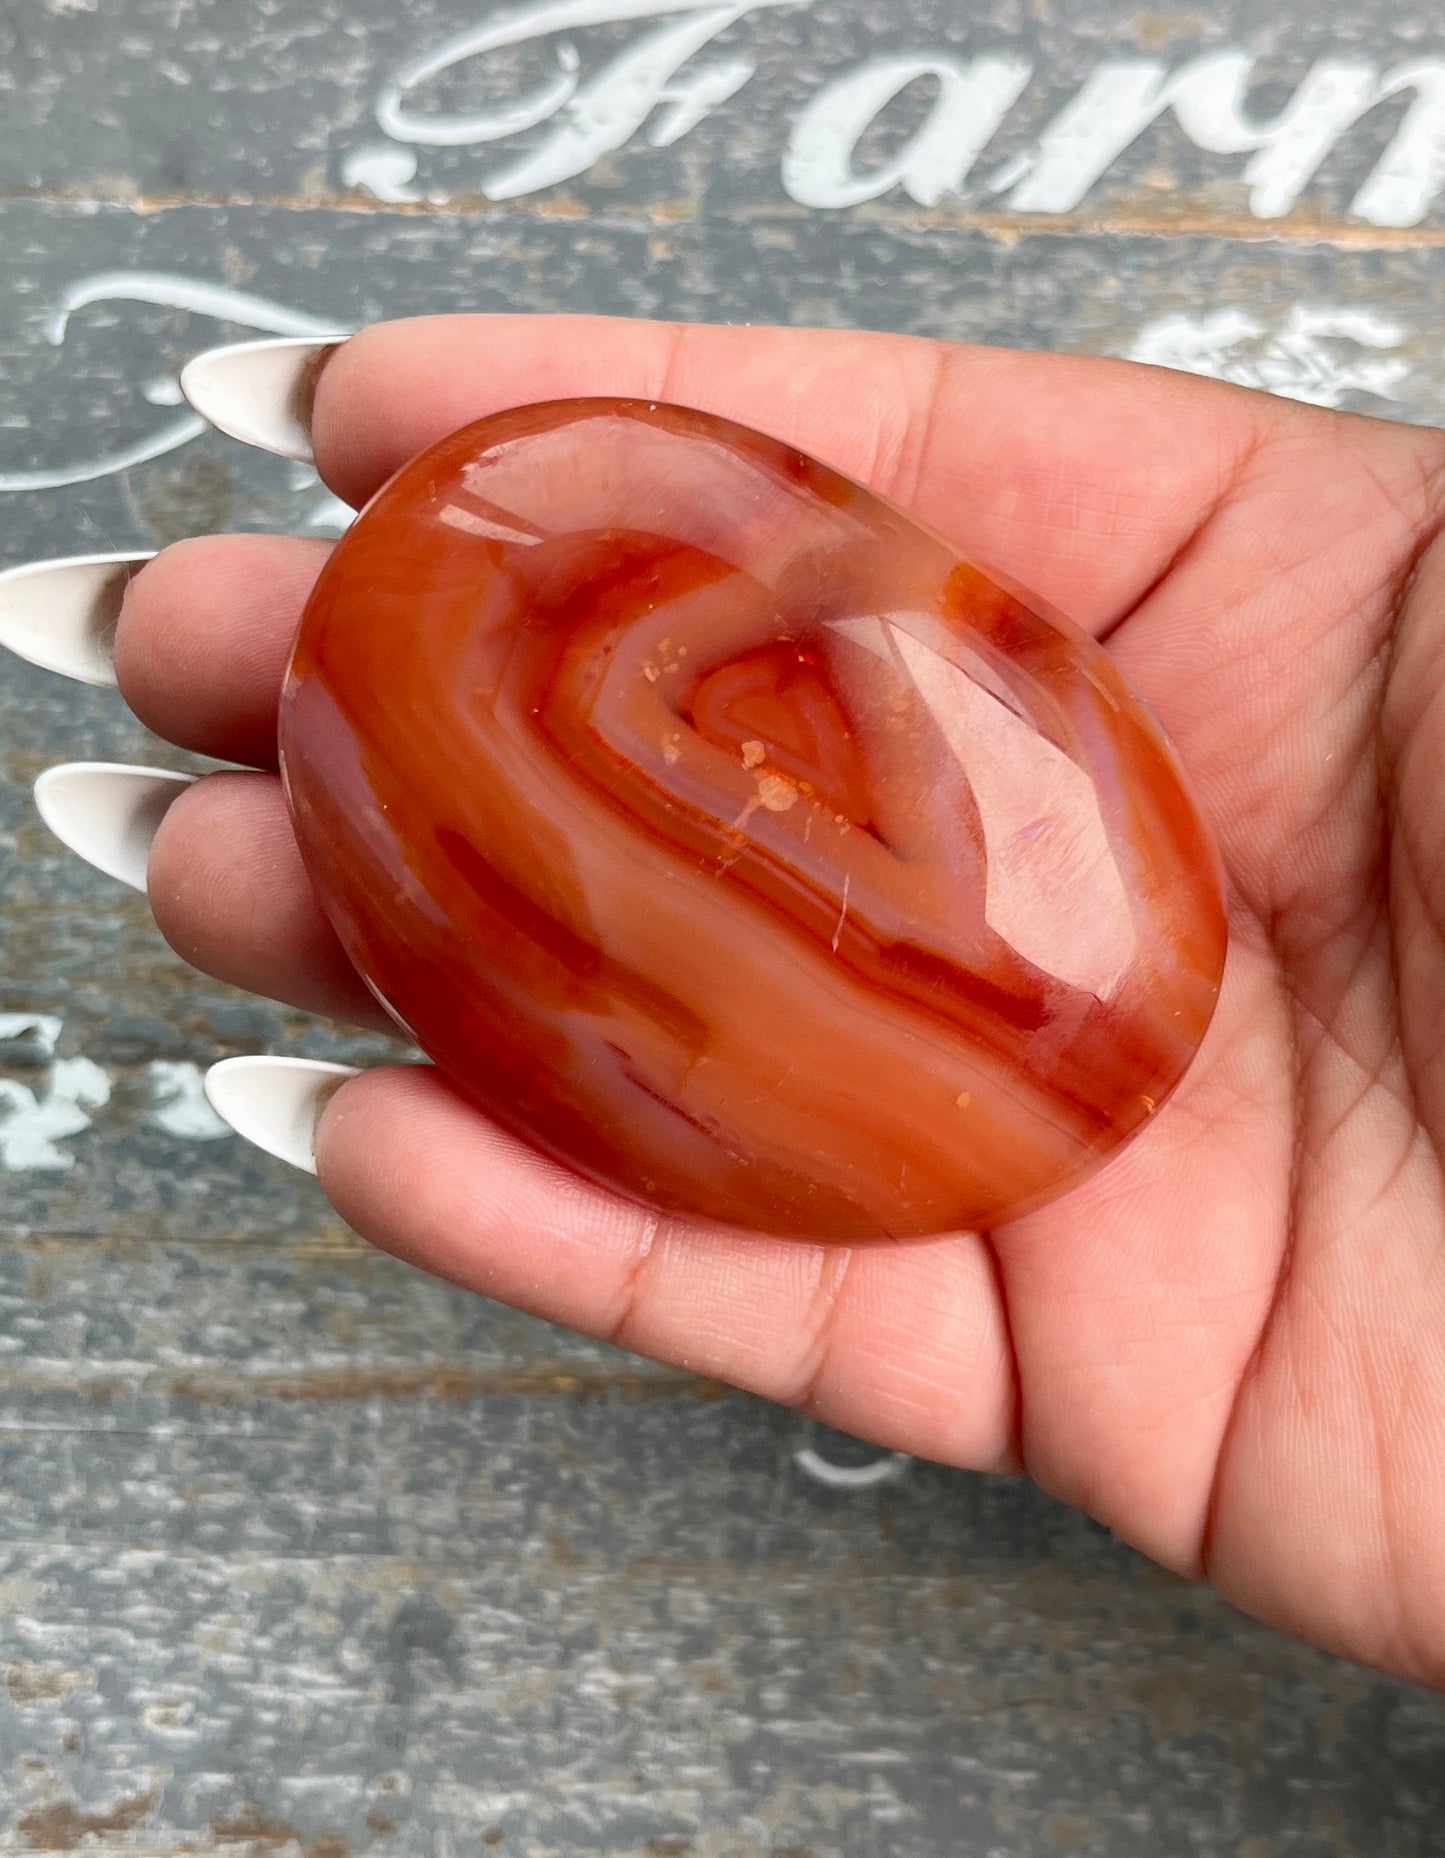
(303, 1553)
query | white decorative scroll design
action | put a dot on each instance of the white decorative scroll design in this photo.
(850, 1476)
(172, 290)
(37, 1116)
(34, 1121)
(1323, 353)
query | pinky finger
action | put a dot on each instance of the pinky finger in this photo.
(906, 1345)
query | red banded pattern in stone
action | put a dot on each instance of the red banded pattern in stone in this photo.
(723, 833)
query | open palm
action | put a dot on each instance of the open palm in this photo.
(1229, 1346)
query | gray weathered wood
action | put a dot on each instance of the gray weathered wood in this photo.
(301, 1552)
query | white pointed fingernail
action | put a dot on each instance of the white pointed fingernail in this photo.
(276, 1102)
(61, 615)
(107, 813)
(260, 392)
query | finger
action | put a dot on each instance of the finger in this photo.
(904, 1345)
(1138, 1301)
(1030, 462)
(204, 634)
(1081, 479)
(231, 896)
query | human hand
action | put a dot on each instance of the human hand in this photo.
(1229, 1345)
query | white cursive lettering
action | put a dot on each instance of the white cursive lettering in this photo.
(972, 101)
(592, 118)
(589, 117)
(1119, 101)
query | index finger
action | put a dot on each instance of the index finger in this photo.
(1079, 478)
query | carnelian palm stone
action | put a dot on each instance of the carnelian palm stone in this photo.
(726, 835)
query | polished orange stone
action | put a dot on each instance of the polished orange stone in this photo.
(729, 837)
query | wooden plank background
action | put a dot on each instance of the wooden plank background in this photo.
(303, 1553)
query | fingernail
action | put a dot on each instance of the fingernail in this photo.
(109, 814)
(61, 615)
(276, 1102)
(260, 392)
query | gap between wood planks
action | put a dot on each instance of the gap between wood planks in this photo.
(1169, 217)
(448, 1383)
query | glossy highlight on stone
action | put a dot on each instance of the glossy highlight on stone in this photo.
(726, 835)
